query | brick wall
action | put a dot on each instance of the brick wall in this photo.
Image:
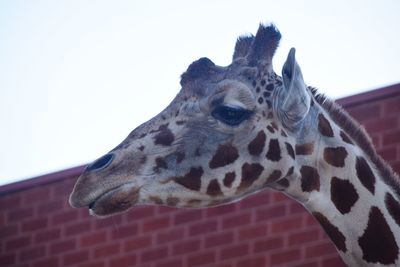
(38, 228)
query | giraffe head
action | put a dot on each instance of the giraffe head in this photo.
(229, 132)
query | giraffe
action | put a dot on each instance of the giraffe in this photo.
(235, 130)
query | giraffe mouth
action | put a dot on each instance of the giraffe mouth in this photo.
(115, 201)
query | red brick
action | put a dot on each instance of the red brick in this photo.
(154, 254)
(47, 262)
(140, 213)
(171, 263)
(188, 216)
(326, 248)
(185, 247)
(256, 200)
(221, 210)
(17, 243)
(138, 243)
(307, 264)
(38, 194)
(203, 227)
(296, 208)
(93, 239)
(34, 225)
(8, 231)
(156, 224)
(236, 220)
(336, 261)
(50, 207)
(391, 138)
(109, 222)
(75, 258)
(77, 228)
(170, 235)
(382, 124)
(307, 236)
(93, 264)
(234, 251)
(268, 243)
(63, 188)
(11, 201)
(19, 214)
(219, 239)
(107, 250)
(62, 246)
(123, 261)
(7, 259)
(202, 258)
(164, 209)
(252, 262)
(285, 256)
(47, 235)
(391, 106)
(287, 224)
(124, 231)
(32, 253)
(366, 112)
(388, 153)
(253, 231)
(65, 217)
(272, 212)
(278, 197)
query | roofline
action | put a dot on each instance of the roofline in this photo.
(73, 173)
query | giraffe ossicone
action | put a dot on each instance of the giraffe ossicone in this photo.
(232, 131)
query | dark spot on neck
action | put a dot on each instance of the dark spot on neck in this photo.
(229, 178)
(343, 194)
(213, 188)
(191, 180)
(290, 150)
(324, 126)
(345, 138)
(250, 173)
(309, 179)
(365, 174)
(225, 155)
(332, 231)
(274, 176)
(274, 150)
(393, 207)
(378, 243)
(335, 156)
(256, 146)
(304, 149)
(165, 137)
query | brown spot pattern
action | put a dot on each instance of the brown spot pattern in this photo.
(335, 156)
(378, 243)
(304, 149)
(225, 155)
(213, 188)
(165, 137)
(191, 180)
(229, 178)
(393, 207)
(332, 231)
(256, 146)
(274, 150)
(180, 156)
(270, 128)
(290, 150)
(155, 199)
(283, 182)
(365, 174)
(343, 194)
(172, 201)
(274, 176)
(324, 126)
(160, 164)
(345, 138)
(309, 179)
(250, 173)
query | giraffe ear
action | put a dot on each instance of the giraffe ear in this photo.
(294, 100)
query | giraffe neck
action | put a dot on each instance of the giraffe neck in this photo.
(344, 189)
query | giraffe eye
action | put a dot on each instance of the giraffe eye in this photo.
(232, 116)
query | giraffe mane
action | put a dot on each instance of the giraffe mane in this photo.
(359, 135)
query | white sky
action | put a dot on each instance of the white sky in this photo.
(77, 76)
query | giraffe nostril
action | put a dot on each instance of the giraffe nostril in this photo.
(101, 163)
